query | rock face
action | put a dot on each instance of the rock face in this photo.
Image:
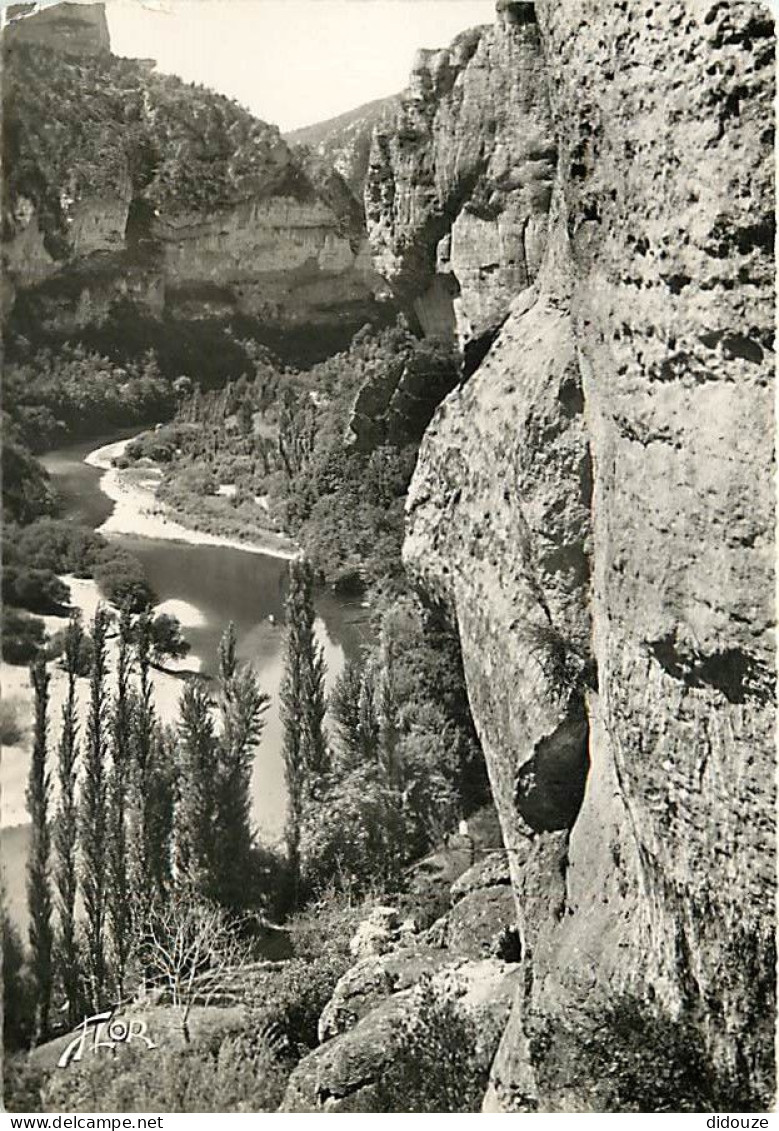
(344, 142)
(462, 957)
(595, 508)
(397, 402)
(73, 29)
(160, 216)
(341, 1075)
(459, 181)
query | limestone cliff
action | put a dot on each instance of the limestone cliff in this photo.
(344, 142)
(595, 505)
(73, 29)
(458, 185)
(128, 188)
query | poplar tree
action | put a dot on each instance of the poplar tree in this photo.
(94, 816)
(141, 775)
(369, 724)
(353, 710)
(66, 829)
(390, 761)
(39, 898)
(303, 708)
(159, 813)
(242, 706)
(345, 712)
(119, 893)
(195, 811)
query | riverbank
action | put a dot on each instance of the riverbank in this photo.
(138, 512)
(18, 703)
(18, 695)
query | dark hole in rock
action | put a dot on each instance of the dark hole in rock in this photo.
(509, 947)
(737, 345)
(749, 238)
(516, 12)
(475, 351)
(571, 397)
(677, 283)
(734, 673)
(140, 221)
(550, 786)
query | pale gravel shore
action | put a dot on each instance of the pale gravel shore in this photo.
(138, 512)
(15, 680)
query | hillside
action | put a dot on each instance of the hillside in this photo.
(344, 142)
(135, 199)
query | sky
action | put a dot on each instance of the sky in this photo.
(292, 62)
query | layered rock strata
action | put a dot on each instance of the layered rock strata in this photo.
(108, 226)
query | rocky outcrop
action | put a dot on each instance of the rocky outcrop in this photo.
(342, 1074)
(396, 402)
(595, 508)
(372, 980)
(469, 955)
(73, 29)
(459, 180)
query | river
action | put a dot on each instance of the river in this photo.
(221, 584)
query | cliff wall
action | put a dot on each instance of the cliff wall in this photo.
(595, 507)
(112, 170)
(73, 29)
(344, 142)
(459, 180)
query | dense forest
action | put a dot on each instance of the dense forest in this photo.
(279, 444)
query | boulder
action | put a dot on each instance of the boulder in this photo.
(479, 925)
(491, 871)
(373, 979)
(377, 934)
(340, 1076)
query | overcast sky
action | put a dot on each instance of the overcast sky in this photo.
(292, 62)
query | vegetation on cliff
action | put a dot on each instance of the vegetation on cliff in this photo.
(106, 126)
(278, 443)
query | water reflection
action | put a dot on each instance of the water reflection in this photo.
(223, 584)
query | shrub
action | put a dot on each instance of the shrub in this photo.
(18, 991)
(225, 1073)
(12, 729)
(56, 647)
(290, 998)
(37, 590)
(121, 579)
(23, 637)
(22, 1084)
(57, 545)
(631, 1056)
(26, 488)
(440, 1059)
(167, 639)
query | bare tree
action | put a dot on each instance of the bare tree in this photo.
(187, 950)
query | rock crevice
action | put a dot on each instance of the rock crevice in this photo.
(594, 507)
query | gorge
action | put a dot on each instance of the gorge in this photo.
(580, 197)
